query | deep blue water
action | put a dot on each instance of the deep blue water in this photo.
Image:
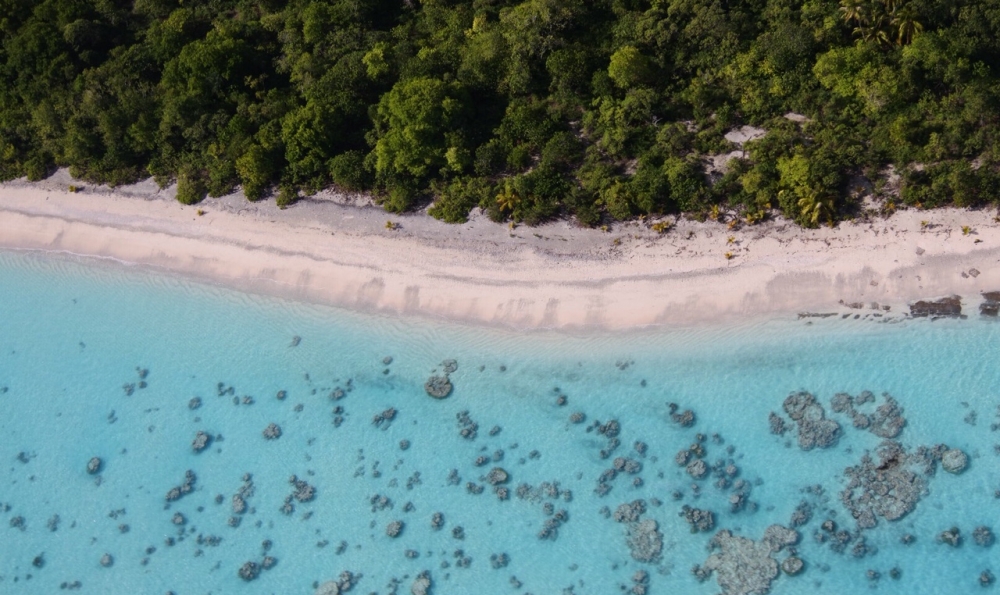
(75, 335)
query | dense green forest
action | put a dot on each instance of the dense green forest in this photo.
(599, 109)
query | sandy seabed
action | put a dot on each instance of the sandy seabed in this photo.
(337, 250)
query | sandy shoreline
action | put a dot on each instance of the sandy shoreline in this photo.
(555, 276)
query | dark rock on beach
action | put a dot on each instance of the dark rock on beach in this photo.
(991, 304)
(950, 307)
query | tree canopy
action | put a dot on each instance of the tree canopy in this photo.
(597, 109)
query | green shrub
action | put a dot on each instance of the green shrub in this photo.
(349, 172)
(287, 195)
(191, 187)
(454, 200)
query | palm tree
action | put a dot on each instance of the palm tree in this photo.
(874, 32)
(853, 10)
(508, 199)
(906, 23)
(814, 205)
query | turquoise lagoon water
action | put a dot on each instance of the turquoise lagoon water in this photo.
(73, 334)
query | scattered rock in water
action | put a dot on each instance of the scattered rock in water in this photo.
(272, 431)
(776, 424)
(792, 565)
(815, 430)
(497, 476)
(202, 440)
(94, 465)
(699, 520)
(449, 366)
(394, 528)
(498, 561)
(185, 488)
(684, 418)
(697, 469)
(437, 521)
(281, 395)
(630, 512)
(467, 427)
(328, 588)
(954, 461)
(746, 567)
(295, 341)
(982, 536)
(950, 307)
(303, 491)
(249, 571)
(194, 403)
(107, 560)
(438, 387)
(952, 537)
(986, 578)
(422, 584)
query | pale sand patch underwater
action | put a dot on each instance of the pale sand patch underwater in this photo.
(336, 250)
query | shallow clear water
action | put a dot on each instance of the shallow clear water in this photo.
(73, 334)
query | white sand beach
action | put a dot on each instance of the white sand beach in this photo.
(338, 251)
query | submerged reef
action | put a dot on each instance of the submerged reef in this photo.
(886, 421)
(889, 488)
(815, 430)
(743, 566)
